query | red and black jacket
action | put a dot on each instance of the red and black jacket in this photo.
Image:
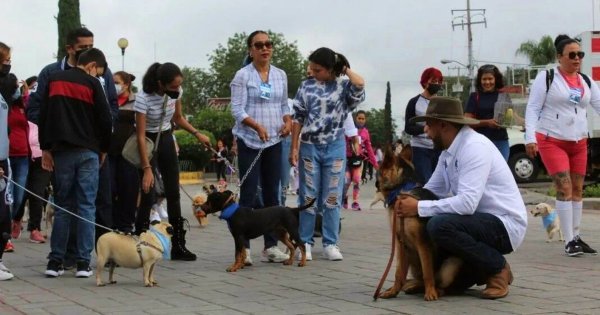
(75, 113)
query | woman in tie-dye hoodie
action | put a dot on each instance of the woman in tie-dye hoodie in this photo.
(318, 144)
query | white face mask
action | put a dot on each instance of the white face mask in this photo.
(119, 88)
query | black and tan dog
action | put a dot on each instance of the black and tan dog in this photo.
(414, 249)
(247, 223)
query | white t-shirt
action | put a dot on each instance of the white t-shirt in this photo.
(152, 106)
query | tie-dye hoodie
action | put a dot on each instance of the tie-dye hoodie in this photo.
(322, 107)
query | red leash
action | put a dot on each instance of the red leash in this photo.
(393, 251)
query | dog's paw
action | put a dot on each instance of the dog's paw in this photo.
(431, 295)
(548, 240)
(301, 264)
(389, 293)
(100, 284)
(148, 284)
(112, 282)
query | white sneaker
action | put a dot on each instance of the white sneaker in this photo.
(332, 252)
(273, 254)
(5, 275)
(248, 260)
(163, 212)
(154, 216)
(3, 268)
(308, 253)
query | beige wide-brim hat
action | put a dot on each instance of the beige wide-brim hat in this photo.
(445, 108)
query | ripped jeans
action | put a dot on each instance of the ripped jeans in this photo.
(322, 168)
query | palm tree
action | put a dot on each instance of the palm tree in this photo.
(541, 53)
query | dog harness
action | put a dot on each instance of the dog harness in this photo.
(228, 212)
(396, 192)
(164, 241)
(547, 220)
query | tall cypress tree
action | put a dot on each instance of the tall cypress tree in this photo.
(67, 20)
(387, 117)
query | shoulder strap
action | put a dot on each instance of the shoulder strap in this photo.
(162, 117)
(586, 79)
(549, 78)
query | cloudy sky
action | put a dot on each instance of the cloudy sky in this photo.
(384, 40)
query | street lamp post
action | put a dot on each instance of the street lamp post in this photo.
(470, 67)
(123, 43)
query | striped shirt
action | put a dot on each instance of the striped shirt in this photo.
(152, 106)
(246, 102)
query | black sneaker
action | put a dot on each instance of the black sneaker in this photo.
(573, 249)
(83, 269)
(584, 246)
(54, 269)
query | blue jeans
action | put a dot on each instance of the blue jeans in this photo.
(266, 173)
(480, 240)
(504, 148)
(286, 144)
(424, 161)
(76, 180)
(4, 211)
(321, 168)
(19, 167)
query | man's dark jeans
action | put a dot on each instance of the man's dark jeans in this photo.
(480, 240)
(266, 173)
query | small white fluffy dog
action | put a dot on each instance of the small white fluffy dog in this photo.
(549, 219)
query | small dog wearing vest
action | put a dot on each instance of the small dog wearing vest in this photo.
(198, 200)
(130, 252)
(549, 219)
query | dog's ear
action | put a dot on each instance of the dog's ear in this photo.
(389, 158)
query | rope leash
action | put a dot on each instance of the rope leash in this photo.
(393, 251)
(61, 208)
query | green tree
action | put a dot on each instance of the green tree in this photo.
(377, 129)
(67, 20)
(197, 89)
(217, 121)
(388, 134)
(227, 60)
(538, 53)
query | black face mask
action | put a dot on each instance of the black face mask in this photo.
(434, 88)
(172, 94)
(4, 71)
(78, 53)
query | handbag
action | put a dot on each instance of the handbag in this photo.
(131, 151)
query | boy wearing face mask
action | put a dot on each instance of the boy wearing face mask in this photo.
(424, 156)
(74, 132)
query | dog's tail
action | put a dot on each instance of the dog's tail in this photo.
(306, 206)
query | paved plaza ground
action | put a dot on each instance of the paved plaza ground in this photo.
(546, 281)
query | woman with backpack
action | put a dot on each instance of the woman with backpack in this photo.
(556, 127)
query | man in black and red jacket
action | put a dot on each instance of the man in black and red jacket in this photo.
(74, 131)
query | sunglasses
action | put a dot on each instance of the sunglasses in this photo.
(261, 45)
(574, 54)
